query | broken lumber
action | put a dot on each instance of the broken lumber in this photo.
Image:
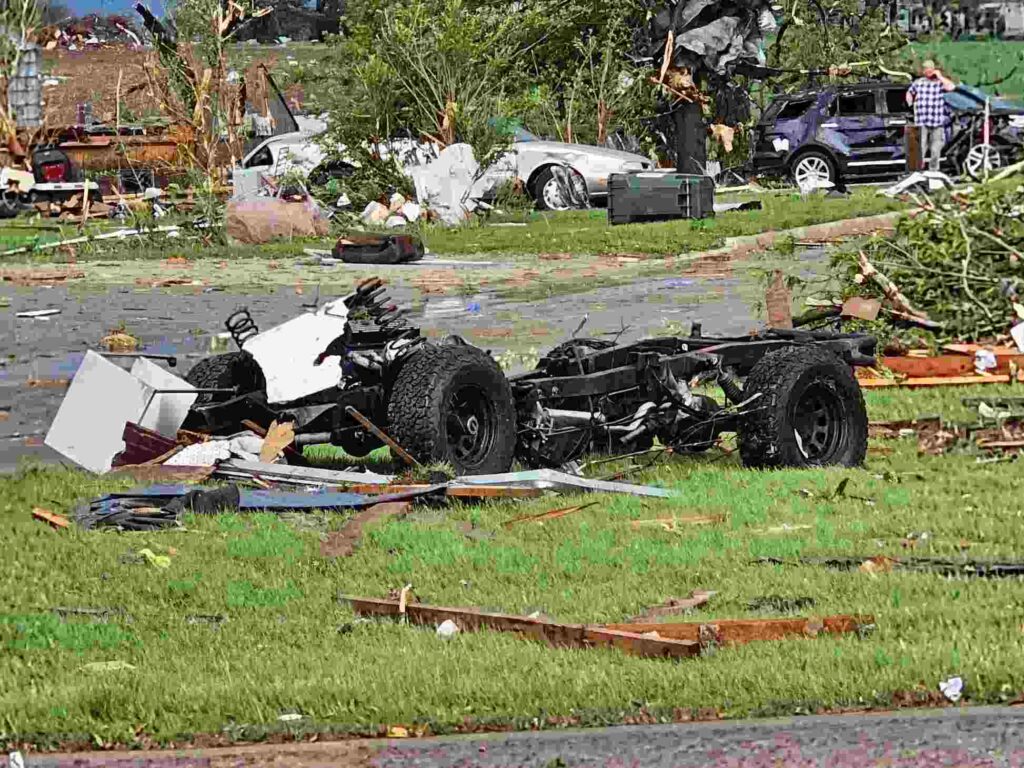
(553, 514)
(55, 521)
(675, 606)
(552, 633)
(742, 631)
(937, 381)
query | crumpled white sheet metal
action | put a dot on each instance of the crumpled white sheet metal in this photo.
(287, 353)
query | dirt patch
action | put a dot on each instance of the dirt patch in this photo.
(436, 281)
(39, 276)
(491, 333)
(91, 77)
(343, 543)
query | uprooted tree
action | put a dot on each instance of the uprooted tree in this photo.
(956, 268)
(190, 76)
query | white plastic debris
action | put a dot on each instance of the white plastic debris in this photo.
(394, 222)
(15, 760)
(38, 313)
(411, 211)
(396, 202)
(952, 689)
(343, 201)
(984, 361)
(290, 717)
(447, 629)
(374, 213)
(1017, 332)
(201, 455)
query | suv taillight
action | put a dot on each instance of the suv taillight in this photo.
(53, 173)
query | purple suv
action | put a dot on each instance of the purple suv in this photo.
(856, 132)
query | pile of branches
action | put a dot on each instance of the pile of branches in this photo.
(955, 267)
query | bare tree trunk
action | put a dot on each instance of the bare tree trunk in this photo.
(691, 139)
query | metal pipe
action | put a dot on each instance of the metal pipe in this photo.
(311, 438)
(381, 435)
(561, 417)
(171, 360)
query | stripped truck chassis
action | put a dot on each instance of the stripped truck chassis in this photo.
(789, 395)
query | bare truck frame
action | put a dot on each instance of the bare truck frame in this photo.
(789, 395)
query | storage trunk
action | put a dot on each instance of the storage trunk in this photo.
(647, 196)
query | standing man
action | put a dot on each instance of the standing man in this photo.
(927, 96)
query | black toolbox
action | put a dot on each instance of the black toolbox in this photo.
(653, 196)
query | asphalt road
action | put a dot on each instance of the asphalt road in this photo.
(947, 738)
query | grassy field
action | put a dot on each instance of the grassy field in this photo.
(285, 645)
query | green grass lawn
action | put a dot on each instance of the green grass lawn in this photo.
(287, 646)
(588, 232)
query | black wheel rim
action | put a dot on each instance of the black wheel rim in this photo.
(818, 423)
(470, 425)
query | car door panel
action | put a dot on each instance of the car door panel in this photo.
(856, 126)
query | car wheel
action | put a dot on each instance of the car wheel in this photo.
(809, 412)
(10, 204)
(548, 193)
(453, 403)
(812, 169)
(981, 160)
(234, 369)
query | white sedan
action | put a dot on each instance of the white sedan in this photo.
(532, 161)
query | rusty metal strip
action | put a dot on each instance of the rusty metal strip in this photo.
(382, 436)
(460, 491)
(552, 633)
(741, 631)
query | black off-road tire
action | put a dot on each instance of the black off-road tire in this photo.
(233, 369)
(438, 397)
(810, 412)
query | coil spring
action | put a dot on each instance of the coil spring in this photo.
(241, 326)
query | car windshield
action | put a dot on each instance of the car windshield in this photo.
(521, 134)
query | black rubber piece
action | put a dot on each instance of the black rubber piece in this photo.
(233, 369)
(809, 389)
(426, 397)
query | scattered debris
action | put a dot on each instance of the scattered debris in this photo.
(674, 523)
(55, 521)
(38, 313)
(981, 568)
(952, 688)
(727, 632)
(447, 629)
(553, 514)
(675, 606)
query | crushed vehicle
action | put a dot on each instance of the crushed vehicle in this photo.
(789, 394)
(856, 132)
(532, 161)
